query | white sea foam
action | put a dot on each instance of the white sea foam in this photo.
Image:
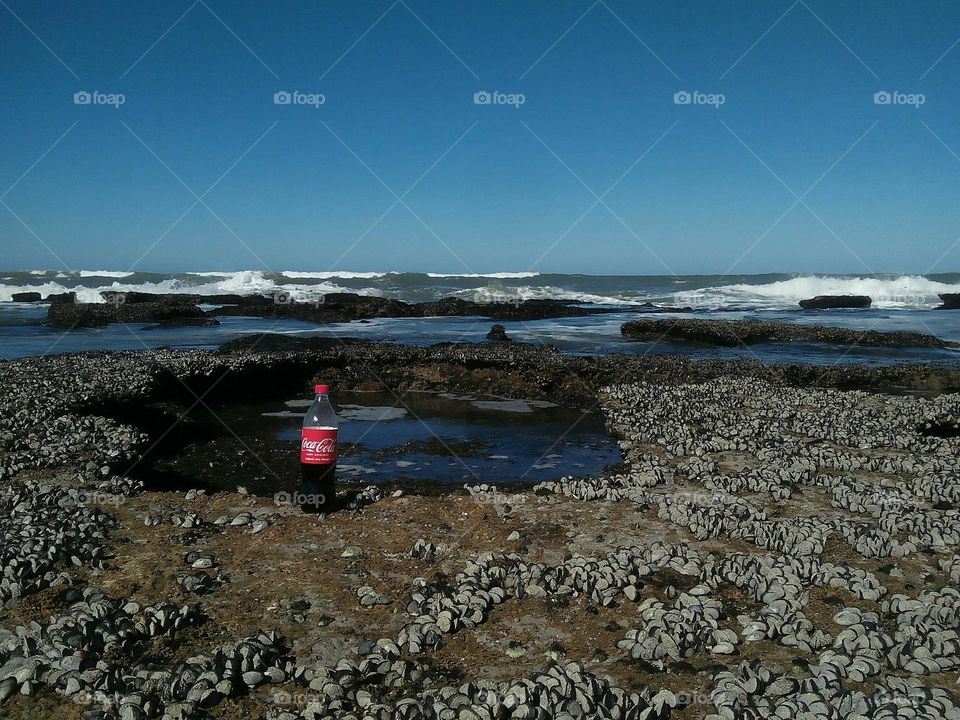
(499, 294)
(893, 292)
(887, 292)
(499, 275)
(104, 273)
(50, 288)
(82, 273)
(255, 282)
(248, 282)
(345, 275)
(905, 291)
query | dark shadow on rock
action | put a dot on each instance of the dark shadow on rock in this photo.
(498, 333)
(951, 301)
(833, 302)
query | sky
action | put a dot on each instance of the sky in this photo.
(600, 137)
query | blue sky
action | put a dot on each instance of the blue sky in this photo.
(598, 171)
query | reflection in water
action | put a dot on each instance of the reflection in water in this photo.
(447, 438)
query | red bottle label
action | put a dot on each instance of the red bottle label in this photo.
(318, 446)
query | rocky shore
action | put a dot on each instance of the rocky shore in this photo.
(87, 315)
(179, 309)
(747, 332)
(778, 541)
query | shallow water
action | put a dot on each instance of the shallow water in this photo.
(582, 335)
(444, 438)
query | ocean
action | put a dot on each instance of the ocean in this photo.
(900, 302)
(707, 292)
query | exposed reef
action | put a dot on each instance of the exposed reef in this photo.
(732, 333)
(831, 302)
(770, 546)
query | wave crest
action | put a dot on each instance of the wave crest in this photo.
(496, 275)
(904, 291)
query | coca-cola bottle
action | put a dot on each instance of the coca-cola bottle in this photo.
(318, 454)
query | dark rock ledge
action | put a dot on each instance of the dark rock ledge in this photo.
(833, 302)
(951, 301)
(97, 394)
(498, 334)
(175, 309)
(84, 315)
(747, 332)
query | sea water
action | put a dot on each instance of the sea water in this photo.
(901, 302)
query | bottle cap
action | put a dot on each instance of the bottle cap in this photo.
(322, 389)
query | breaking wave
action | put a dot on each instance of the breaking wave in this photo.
(249, 282)
(904, 291)
(709, 292)
(498, 275)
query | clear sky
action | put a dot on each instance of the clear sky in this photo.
(599, 170)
